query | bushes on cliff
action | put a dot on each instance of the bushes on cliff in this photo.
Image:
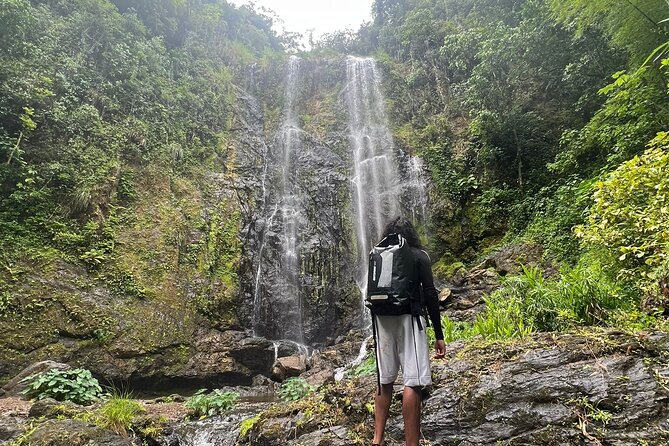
(94, 89)
(77, 385)
(629, 218)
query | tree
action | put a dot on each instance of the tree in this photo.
(638, 26)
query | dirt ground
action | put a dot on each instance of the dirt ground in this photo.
(171, 411)
(14, 406)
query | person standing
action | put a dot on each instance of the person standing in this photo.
(401, 341)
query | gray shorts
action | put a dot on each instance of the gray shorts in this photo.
(400, 343)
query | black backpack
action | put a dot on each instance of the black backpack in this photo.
(392, 277)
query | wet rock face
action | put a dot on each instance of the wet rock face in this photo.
(217, 358)
(10, 428)
(577, 389)
(463, 297)
(294, 175)
(511, 258)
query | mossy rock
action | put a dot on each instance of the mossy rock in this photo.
(447, 266)
(74, 433)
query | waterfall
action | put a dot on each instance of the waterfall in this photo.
(377, 189)
(303, 261)
(281, 318)
(417, 190)
(290, 209)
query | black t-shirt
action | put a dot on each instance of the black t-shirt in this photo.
(426, 281)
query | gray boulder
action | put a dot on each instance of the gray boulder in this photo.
(551, 389)
(10, 428)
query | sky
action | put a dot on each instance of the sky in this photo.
(323, 16)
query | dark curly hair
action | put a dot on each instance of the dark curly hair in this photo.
(406, 229)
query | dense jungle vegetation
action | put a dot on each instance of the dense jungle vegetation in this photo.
(540, 122)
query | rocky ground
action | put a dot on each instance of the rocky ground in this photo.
(589, 388)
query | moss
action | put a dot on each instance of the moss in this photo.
(447, 266)
(342, 403)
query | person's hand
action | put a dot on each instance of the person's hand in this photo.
(439, 349)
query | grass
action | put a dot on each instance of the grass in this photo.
(583, 295)
(118, 413)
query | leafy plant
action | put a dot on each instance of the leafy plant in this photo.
(630, 215)
(77, 385)
(294, 389)
(366, 368)
(204, 404)
(501, 320)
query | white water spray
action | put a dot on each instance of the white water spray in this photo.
(376, 182)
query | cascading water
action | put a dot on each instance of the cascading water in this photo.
(290, 210)
(377, 188)
(416, 189)
(282, 318)
(305, 272)
(381, 188)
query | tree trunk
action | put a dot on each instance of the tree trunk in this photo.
(519, 160)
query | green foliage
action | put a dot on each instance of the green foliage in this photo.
(366, 367)
(246, 425)
(633, 113)
(118, 413)
(554, 214)
(580, 295)
(636, 26)
(204, 404)
(483, 90)
(90, 93)
(453, 330)
(77, 385)
(294, 389)
(529, 302)
(629, 218)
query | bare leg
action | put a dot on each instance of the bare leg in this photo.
(411, 413)
(381, 411)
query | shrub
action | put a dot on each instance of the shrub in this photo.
(294, 389)
(453, 330)
(630, 215)
(77, 385)
(584, 295)
(204, 404)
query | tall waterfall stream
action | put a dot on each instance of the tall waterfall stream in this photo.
(285, 219)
